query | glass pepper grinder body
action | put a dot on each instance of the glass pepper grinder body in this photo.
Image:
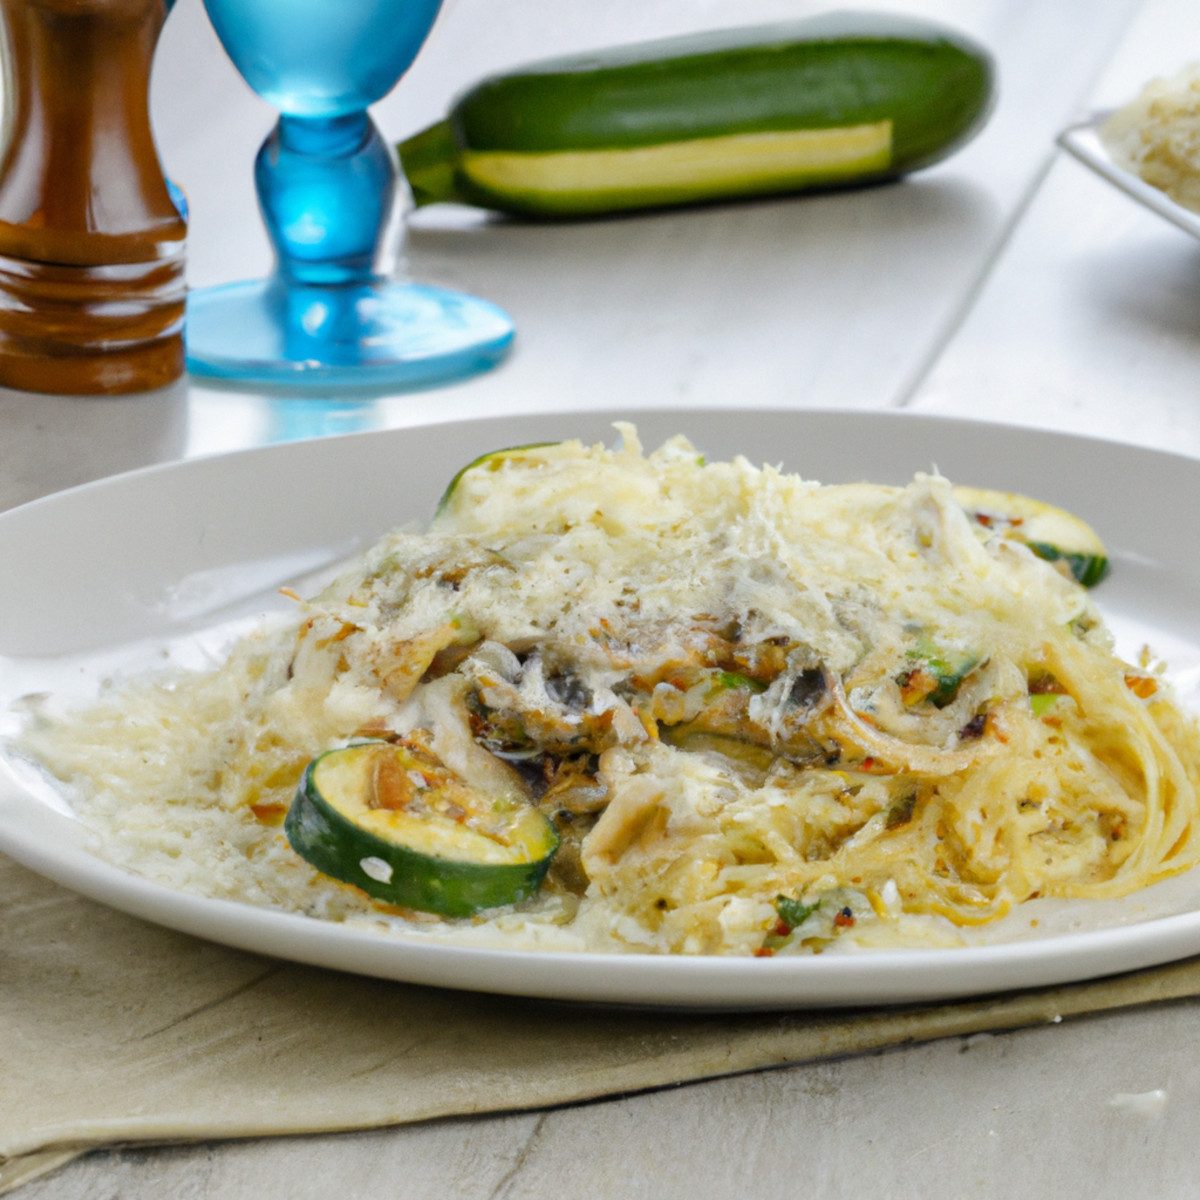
(92, 288)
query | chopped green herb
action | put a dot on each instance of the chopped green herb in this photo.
(794, 913)
(901, 812)
(731, 679)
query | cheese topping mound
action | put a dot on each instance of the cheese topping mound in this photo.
(764, 716)
(1156, 136)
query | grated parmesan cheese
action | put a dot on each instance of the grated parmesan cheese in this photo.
(1157, 136)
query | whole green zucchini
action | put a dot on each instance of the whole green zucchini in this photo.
(835, 100)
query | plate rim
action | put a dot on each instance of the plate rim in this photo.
(632, 414)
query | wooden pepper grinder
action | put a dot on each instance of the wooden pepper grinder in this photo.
(91, 243)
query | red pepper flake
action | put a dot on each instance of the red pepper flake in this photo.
(867, 763)
(844, 919)
(763, 952)
(782, 928)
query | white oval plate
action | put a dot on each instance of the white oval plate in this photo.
(98, 577)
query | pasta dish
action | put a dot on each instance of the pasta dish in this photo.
(635, 702)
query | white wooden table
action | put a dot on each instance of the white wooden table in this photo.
(1007, 284)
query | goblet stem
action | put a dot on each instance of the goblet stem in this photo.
(329, 316)
(326, 186)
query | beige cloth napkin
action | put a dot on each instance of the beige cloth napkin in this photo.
(115, 1031)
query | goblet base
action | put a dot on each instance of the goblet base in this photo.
(380, 334)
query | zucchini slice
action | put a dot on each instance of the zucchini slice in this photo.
(493, 460)
(829, 101)
(1051, 533)
(391, 819)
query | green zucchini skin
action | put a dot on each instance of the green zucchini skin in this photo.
(451, 887)
(1051, 533)
(1086, 569)
(491, 458)
(932, 87)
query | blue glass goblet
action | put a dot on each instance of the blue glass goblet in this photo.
(327, 185)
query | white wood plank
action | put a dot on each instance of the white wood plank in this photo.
(1091, 319)
(836, 300)
(823, 301)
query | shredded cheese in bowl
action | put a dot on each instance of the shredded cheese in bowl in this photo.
(1157, 136)
(758, 715)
